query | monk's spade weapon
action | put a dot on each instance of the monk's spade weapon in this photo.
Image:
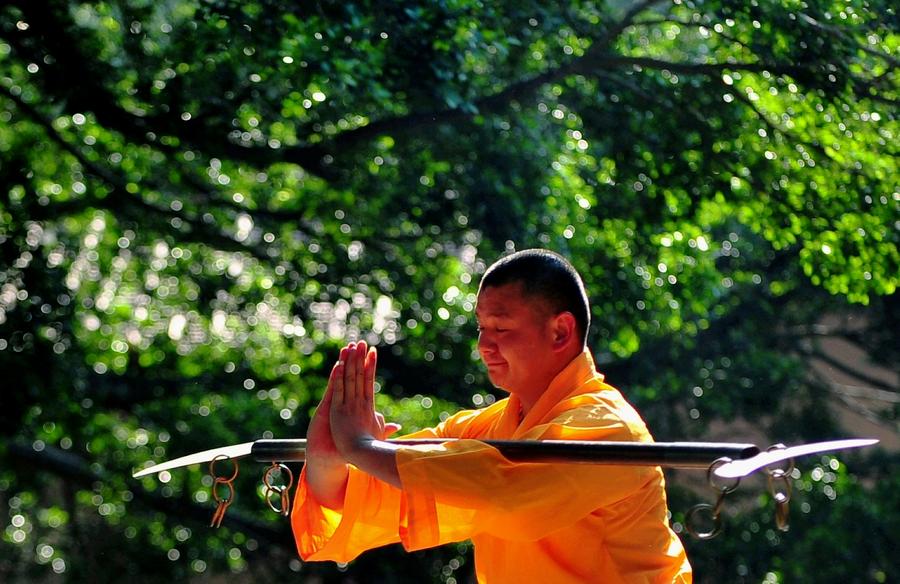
(745, 459)
(726, 464)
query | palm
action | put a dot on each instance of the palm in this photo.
(320, 443)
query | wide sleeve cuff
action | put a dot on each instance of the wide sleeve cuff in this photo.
(424, 521)
(368, 519)
(418, 510)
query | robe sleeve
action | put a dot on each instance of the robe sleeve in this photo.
(458, 490)
(369, 518)
(466, 488)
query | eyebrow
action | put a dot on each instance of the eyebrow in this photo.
(497, 315)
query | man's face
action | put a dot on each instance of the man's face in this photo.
(514, 339)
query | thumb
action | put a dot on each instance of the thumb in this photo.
(329, 389)
(390, 428)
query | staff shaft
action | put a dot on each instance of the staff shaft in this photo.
(669, 454)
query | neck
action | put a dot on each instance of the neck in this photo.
(527, 402)
(529, 396)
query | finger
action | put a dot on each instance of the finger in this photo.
(339, 372)
(358, 373)
(363, 357)
(329, 388)
(390, 428)
(359, 381)
(369, 383)
(350, 373)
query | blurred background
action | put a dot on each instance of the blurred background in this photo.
(201, 201)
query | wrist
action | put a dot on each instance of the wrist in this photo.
(356, 448)
(327, 476)
(377, 458)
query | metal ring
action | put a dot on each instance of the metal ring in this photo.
(690, 521)
(285, 502)
(783, 493)
(711, 477)
(215, 493)
(782, 499)
(212, 467)
(281, 468)
(782, 512)
(282, 495)
(777, 472)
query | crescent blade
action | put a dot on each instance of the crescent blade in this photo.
(742, 468)
(234, 451)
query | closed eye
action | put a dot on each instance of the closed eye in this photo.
(495, 329)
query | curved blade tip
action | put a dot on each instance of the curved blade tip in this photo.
(744, 467)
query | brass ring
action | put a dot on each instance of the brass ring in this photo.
(215, 493)
(281, 468)
(212, 465)
(776, 471)
(281, 495)
(690, 521)
(711, 477)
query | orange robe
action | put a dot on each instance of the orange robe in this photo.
(529, 522)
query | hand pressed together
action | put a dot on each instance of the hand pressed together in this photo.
(354, 421)
(346, 429)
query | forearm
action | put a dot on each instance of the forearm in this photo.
(377, 458)
(327, 481)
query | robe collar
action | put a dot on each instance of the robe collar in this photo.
(570, 381)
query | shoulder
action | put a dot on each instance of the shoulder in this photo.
(600, 413)
(471, 423)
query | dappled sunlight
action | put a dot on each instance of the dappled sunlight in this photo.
(201, 202)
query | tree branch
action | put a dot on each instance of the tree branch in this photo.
(691, 24)
(869, 393)
(775, 128)
(121, 200)
(857, 337)
(844, 368)
(49, 31)
(852, 403)
(608, 61)
(588, 64)
(318, 158)
(627, 20)
(656, 98)
(46, 28)
(837, 32)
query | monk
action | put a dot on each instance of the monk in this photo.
(529, 522)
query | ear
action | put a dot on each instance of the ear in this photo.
(564, 330)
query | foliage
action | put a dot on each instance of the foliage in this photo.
(201, 201)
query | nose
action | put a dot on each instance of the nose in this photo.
(486, 344)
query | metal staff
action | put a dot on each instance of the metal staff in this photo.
(746, 457)
(721, 459)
